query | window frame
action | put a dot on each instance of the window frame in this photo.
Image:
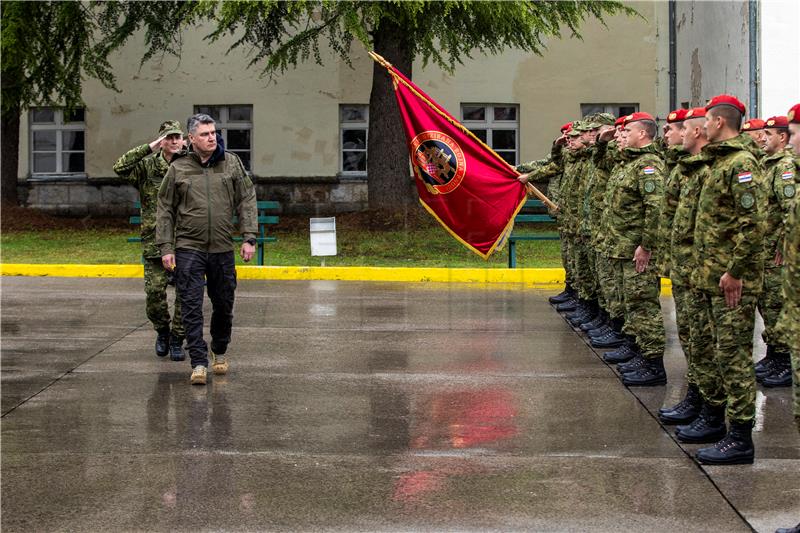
(223, 124)
(59, 125)
(490, 124)
(354, 125)
(613, 108)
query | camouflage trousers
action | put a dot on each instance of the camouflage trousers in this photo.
(686, 310)
(611, 299)
(769, 304)
(585, 278)
(721, 352)
(569, 277)
(155, 290)
(643, 318)
(796, 386)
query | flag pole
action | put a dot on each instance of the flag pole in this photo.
(530, 188)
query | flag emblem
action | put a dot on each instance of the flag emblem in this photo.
(787, 175)
(438, 161)
(649, 170)
(744, 177)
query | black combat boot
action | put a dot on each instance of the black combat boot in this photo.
(781, 375)
(176, 352)
(635, 363)
(651, 374)
(603, 329)
(162, 343)
(591, 312)
(599, 320)
(624, 353)
(568, 306)
(735, 448)
(709, 426)
(764, 367)
(567, 294)
(612, 339)
(580, 309)
(684, 411)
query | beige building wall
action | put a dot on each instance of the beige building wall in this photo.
(295, 119)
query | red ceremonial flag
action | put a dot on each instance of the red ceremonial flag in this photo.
(473, 192)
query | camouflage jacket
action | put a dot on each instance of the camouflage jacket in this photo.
(669, 202)
(567, 196)
(730, 220)
(789, 321)
(690, 173)
(781, 180)
(145, 171)
(598, 176)
(633, 203)
(197, 202)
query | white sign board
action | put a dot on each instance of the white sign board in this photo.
(323, 236)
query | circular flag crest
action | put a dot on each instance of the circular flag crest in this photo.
(438, 161)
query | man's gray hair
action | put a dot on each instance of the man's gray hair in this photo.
(195, 120)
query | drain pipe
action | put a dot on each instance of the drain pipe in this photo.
(673, 59)
(754, 81)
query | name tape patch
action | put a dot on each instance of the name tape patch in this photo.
(744, 177)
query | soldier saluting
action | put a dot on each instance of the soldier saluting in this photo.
(144, 167)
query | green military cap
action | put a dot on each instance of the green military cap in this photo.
(169, 127)
(583, 125)
(574, 132)
(604, 119)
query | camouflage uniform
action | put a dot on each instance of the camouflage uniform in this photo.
(728, 237)
(780, 178)
(608, 160)
(145, 171)
(789, 321)
(633, 202)
(689, 174)
(585, 263)
(570, 181)
(672, 191)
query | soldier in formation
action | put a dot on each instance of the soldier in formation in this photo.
(710, 206)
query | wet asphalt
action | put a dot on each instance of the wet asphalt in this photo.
(356, 406)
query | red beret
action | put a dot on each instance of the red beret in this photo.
(793, 115)
(726, 99)
(753, 124)
(679, 115)
(620, 121)
(636, 117)
(777, 122)
(695, 112)
(566, 127)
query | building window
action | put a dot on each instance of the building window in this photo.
(235, 124)
(58, 143)
(617, 110)
(497, 125)
(353, 128)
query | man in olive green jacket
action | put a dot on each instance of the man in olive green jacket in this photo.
(199, 196)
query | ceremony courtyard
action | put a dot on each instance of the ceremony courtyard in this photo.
(356, 406)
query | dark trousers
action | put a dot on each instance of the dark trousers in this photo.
(219, 271)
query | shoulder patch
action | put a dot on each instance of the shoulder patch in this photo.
(649, 170)
(747, 200)
(649, 186)
(745, 177)
(787, 175)
(789, 190)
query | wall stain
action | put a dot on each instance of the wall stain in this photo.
(696, 78)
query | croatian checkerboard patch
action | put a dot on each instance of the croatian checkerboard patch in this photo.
(787, 175)
(649, 170)
(744, 177)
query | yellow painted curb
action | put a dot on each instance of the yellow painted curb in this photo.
(551, 277)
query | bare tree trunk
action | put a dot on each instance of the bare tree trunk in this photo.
(10, 150)
(389, 184)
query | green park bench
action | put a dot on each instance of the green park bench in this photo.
(264, 220)
(526, 216)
